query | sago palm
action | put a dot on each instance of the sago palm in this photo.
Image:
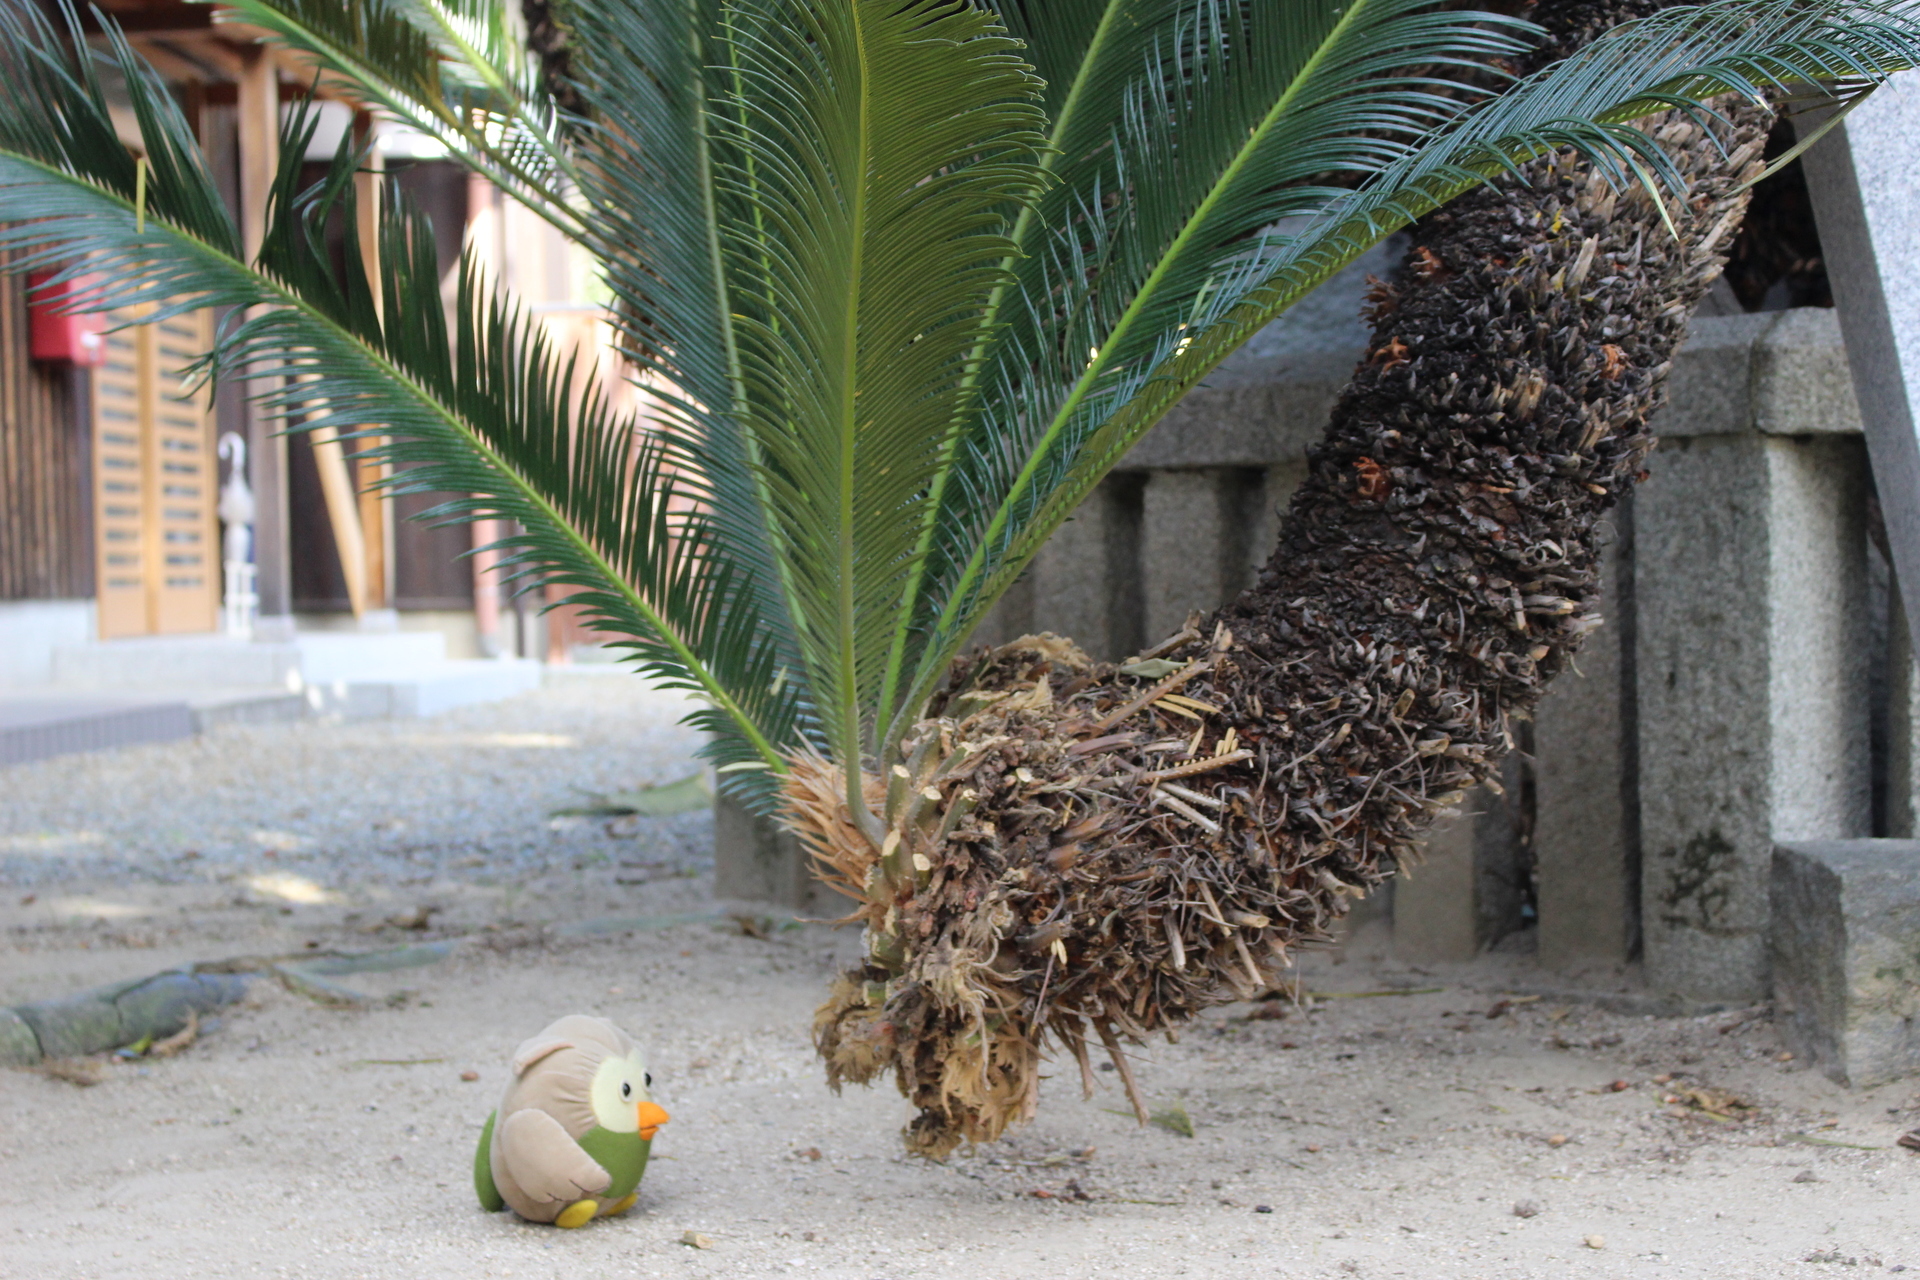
(904, 280)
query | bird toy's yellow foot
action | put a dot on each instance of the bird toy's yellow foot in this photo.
(621, 1205)
(577, 1214)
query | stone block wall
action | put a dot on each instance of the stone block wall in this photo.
(1723, 708)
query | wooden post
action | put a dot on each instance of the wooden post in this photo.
(484, 238)
(259, 128)
(376, 506)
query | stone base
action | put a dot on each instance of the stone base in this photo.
(1846, 956)
(755, 861)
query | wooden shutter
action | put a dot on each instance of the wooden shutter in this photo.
(156, 482)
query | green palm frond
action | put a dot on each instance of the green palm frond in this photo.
(647, 167)
(484, 410)
(876, 143)
(456, 70)
(1076, 407)
(903, 279)
(1233, 117)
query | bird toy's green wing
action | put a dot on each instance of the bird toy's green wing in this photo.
(622, 1155)
(490, 1197)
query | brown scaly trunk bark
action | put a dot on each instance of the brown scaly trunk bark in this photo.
(1079, 851)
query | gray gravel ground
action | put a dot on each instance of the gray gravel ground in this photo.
(462, 795)
(1451, 1130)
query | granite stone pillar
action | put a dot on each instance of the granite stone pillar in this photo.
(1750, 594)
(1585, 836)
(1864, 180)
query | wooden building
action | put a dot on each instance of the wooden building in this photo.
(108, 471)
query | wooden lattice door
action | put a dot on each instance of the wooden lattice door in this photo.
(155, 481)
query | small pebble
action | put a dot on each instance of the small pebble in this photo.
(1557, 1140)
(469, 1076)
(1595, 1242)
(1526, 1209)
(1805, 1175)
(1263, 1208)
(696, 1240)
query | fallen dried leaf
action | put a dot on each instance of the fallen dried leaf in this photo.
(84, 1072)
(808, 1153)
(179, 1040)
(418, 918)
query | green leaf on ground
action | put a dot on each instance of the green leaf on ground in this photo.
(1175, 1119)
(685, 796)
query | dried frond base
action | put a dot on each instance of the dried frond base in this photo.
(1076, 852)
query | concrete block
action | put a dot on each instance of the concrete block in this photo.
(1750, 595)
(191, 661)
(755, 860)
(1196, 539)
(1862, 179)
(1801, 383)
(1846, 956)
(1080, 579)
(1586, 851)
(41, 727)
(1277, 483)
(1435, 918)
(1903, 724)
(30, 630)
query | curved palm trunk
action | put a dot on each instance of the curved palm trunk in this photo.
(1082, 851)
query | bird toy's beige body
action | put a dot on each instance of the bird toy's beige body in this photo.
(570, 1140)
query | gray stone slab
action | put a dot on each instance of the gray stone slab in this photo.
(1586, 860)
(1864, 180)
(1846, 956)
(1750, 594)
(1196, 538)
(1774, 372)
(39, 728)
(1434, 914)
(1903, 725)
(1077, 577)
(755, 861)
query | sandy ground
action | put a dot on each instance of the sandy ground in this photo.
(1451, 1130)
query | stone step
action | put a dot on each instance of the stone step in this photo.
(43, 725)
(202, 661)
(36, 728)
(175, 662)
(423, 690)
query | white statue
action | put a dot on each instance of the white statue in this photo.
(241, 600)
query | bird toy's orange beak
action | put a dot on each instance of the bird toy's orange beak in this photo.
(652, 1116)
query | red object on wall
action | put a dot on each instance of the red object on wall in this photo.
(68, 337)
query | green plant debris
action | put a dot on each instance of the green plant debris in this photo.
(684, 796)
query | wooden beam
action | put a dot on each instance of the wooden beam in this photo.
(376, 506)
(259, 147)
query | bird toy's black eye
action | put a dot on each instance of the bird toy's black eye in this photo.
(648, 1077)
(626, 1090)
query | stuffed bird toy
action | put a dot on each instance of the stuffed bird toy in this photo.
(570, 1138)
